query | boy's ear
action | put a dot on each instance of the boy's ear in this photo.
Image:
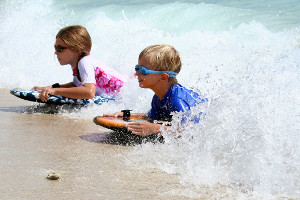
(165, 76)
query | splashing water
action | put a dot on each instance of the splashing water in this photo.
(247, 65)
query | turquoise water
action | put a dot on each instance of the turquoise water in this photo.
(208, 15)
(243, 54)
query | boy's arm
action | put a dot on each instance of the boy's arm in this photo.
(144, 128)
(120, 114)
(139, 128)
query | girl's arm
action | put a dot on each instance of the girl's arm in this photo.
(87, 91)
(65, 85)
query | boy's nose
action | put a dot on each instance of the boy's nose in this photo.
(137, 74)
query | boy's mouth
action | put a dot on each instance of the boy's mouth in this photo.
(139, 79)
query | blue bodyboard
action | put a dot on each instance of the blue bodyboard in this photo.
(32, 95)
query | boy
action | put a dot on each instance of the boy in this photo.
(157, 68)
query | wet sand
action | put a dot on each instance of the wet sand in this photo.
(35, 144)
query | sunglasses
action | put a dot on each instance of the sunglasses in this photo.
(59, 48)
(144, 71)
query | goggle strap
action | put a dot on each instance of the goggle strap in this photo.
(170, 73)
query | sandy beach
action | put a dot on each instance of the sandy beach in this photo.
(35, 144)
(242, 56)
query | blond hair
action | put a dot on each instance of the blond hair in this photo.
(163, 57)
(77, 39)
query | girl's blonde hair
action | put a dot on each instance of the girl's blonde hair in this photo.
(76, 38)
(163, 57)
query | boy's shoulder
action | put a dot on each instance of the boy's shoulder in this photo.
(179, 94)
(181, 91)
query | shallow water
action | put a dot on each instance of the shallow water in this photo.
(243, 55)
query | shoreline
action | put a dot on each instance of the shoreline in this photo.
(35, 144)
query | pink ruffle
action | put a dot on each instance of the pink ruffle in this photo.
(108, 83)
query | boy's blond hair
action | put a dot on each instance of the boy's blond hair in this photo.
(163, 57)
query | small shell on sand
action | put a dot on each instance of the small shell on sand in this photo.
(53, 176)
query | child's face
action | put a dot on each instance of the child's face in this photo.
(150, 80)
(67, 56)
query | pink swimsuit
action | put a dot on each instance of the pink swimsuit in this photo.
(107, 80)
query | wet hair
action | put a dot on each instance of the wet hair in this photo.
(77, 39)
(163, 57)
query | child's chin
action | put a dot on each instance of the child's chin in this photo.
(61, 62)
(141, 85)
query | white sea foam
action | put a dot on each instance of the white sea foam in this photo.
(249, 138)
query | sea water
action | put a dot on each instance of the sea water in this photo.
(242, 55)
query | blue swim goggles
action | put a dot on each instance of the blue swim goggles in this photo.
(144, 71)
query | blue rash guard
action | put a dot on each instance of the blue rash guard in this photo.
(177, 99)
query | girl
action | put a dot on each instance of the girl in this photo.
(91, 77)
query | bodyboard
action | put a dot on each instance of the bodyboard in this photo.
(32, 95)
(116, 124)
(121, 134)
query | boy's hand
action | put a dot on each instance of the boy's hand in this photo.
(116, 114)
(143, 128)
